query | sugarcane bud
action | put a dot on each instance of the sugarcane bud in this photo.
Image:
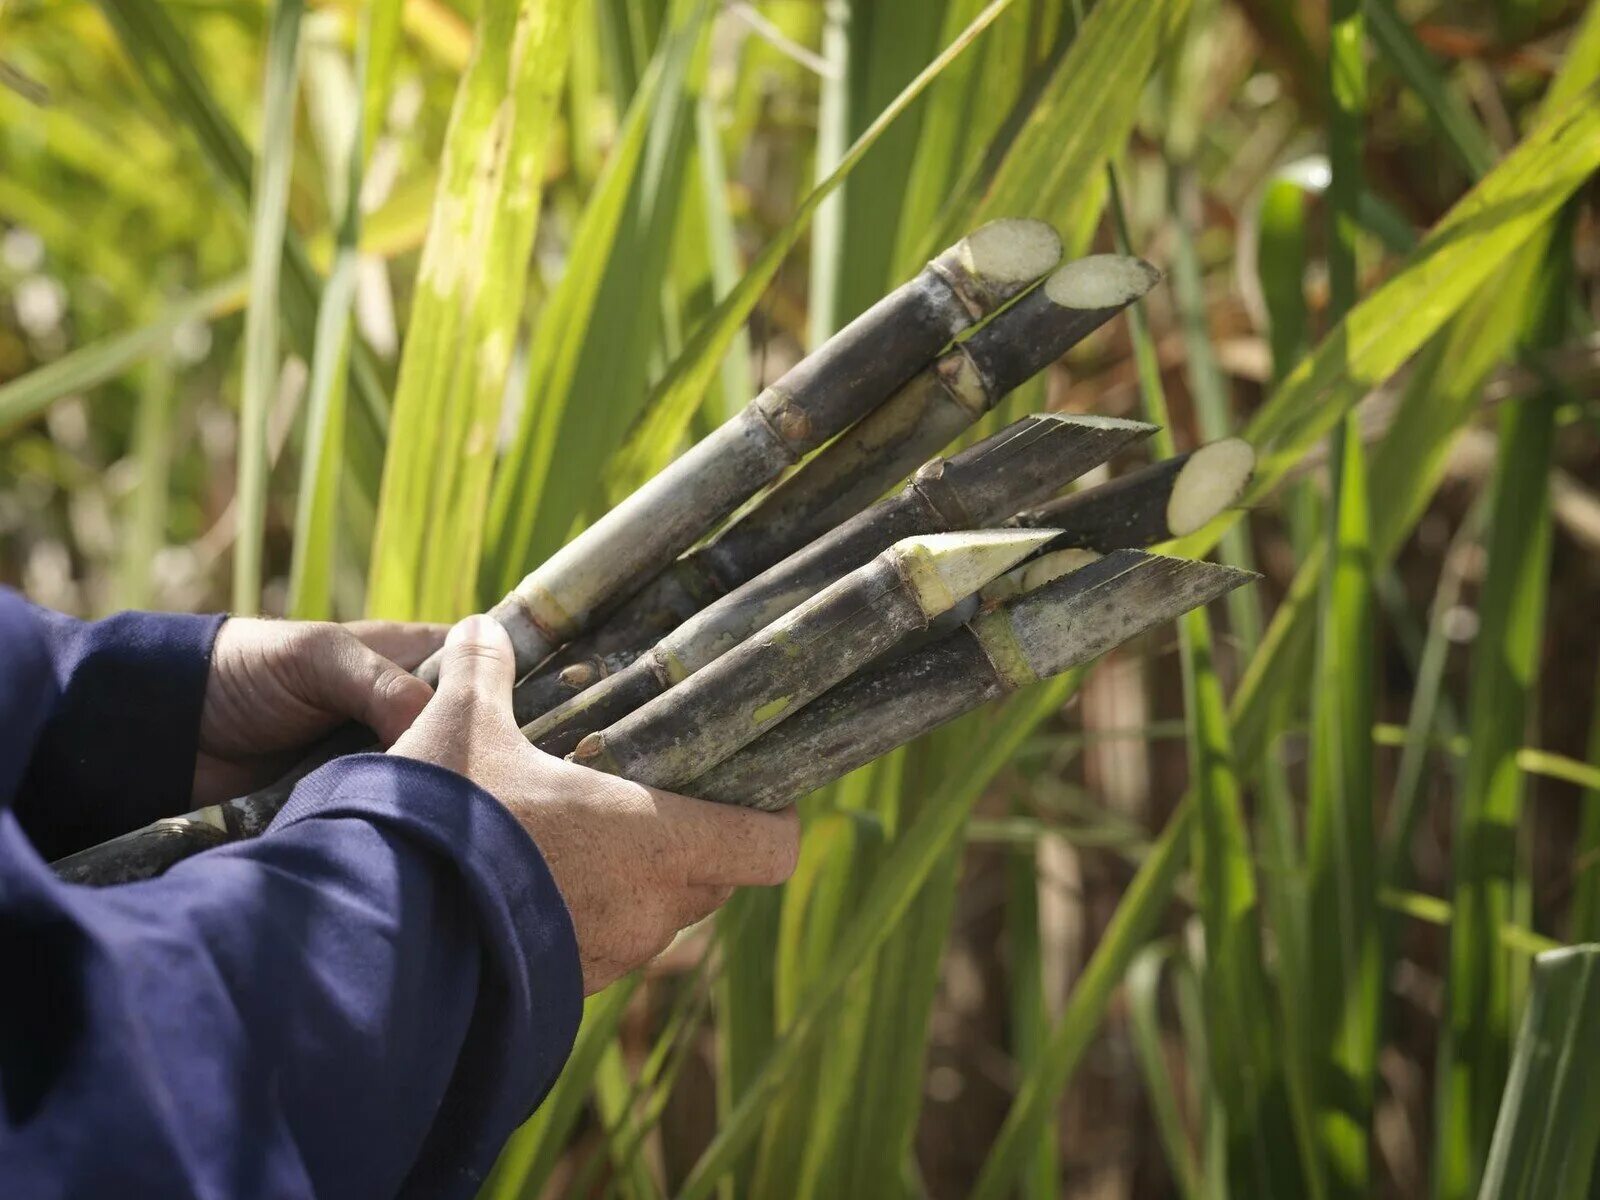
(578, 676)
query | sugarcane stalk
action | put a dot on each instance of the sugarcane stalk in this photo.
(855, 469)
(786, 665)
(1168, 499)
(1064, 624)
(857, 369)
(1023, 463)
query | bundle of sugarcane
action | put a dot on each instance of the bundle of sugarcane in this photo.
(670, 664)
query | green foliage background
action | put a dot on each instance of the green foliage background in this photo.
(366, 308)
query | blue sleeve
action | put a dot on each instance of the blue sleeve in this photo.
(366, 1001)
(117, 723)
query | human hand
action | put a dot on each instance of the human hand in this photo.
(634, 864)
(275, 686)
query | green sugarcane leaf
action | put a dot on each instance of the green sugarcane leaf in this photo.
(269, 212)
(1082, 118)
(1516, 199)
(591, 348)
(1548, 1127)
(1344, 984)
(470, 288)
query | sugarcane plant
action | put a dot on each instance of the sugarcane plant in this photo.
(752, 656)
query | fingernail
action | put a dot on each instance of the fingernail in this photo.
(476, 628)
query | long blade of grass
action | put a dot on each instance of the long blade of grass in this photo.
(1481, 1004)
(1585, 919)
(470, 289)
(1548, 1127)
(152, 451)
(1346, 978)
(269, 214)
(1082, 118)
(311, 567)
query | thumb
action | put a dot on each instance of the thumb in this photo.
(477, 665)
(363, 684)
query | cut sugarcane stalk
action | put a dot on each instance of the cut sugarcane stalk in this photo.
(857, 369)
(1168, 499)
(147, 852)
(855, 469)
(802, 654)
(1064, 624)
(1028, 460)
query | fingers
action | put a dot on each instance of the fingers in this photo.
(478, 666)
(726, 846)
(405, 643)
(360, 683)
(699, 901)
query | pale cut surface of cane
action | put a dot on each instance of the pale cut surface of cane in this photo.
(1168, 499)
(856, 468)
(857, 369)
(1066, 623)
(781, 668)
(1023, 463)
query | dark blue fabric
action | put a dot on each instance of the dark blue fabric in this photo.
(363, 1002)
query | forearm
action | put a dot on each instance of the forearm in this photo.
(369, 998)
(116, 748)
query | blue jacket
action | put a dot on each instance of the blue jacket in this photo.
(365, 1001)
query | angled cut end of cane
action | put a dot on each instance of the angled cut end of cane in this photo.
(945, 568)
(1080, 615)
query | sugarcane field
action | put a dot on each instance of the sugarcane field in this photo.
(800, 599)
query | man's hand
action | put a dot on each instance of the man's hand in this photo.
(276, 686)
(634, 864)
